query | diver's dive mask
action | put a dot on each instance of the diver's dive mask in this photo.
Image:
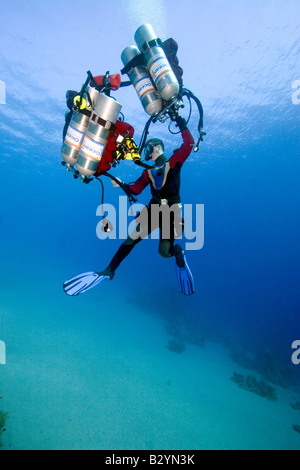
(148, 152)
(150, 146)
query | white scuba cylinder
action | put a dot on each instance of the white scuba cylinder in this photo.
(158, 65)
(141, 80)
(102, 122)
(78, 127)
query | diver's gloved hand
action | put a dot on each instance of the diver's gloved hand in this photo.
(175, 116)
(115, 183)
(181, 123)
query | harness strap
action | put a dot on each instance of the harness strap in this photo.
(137, 60)
(153, 43)
(96, 119)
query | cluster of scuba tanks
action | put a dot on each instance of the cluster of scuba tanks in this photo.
(96, 136)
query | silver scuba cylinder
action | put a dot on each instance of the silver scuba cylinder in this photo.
(102, 122)
(141, 80)
(158, 65)
(78, 127)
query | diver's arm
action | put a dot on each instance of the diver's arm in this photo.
(140, 184)
(137, 187)
(188, 142)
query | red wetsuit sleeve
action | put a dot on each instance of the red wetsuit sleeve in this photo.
(140, 184)
(179, 156)
(184, 151)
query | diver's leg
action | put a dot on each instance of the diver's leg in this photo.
(165, 248)
(85, 281)
(124, 250)
(174, 223)
(139, 233)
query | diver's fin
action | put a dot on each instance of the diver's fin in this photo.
(185, 279)
(83, 282)
(184, 274)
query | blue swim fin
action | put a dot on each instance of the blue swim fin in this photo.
(83, 282)
(184, 274)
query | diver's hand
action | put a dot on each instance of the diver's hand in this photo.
(181, 123)
(115, 184)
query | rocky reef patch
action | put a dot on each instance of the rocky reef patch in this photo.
(253, 385)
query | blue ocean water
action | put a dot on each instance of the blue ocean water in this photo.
(97, 371)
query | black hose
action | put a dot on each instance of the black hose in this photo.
(123, 84)
(102, 197)
(91, 79)
(189, 94)
(106, 225)
(145, 134)
(122, 186)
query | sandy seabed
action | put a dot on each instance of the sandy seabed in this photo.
(76, 380)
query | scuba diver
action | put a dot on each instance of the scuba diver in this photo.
(164, 180)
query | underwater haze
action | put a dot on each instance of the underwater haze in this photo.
(133, 363)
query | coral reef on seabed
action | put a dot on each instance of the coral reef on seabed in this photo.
(182, 336)
(295, 405)
(176, 346)
(267, 364)
(3, 418)
(251, 384)
(296, 428)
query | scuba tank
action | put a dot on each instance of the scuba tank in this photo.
(157, 63)
(139, 76)
(78, 125)
(102, 122)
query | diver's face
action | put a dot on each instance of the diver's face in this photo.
(155, 153)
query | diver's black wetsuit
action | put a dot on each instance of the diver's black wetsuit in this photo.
(165, 189)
